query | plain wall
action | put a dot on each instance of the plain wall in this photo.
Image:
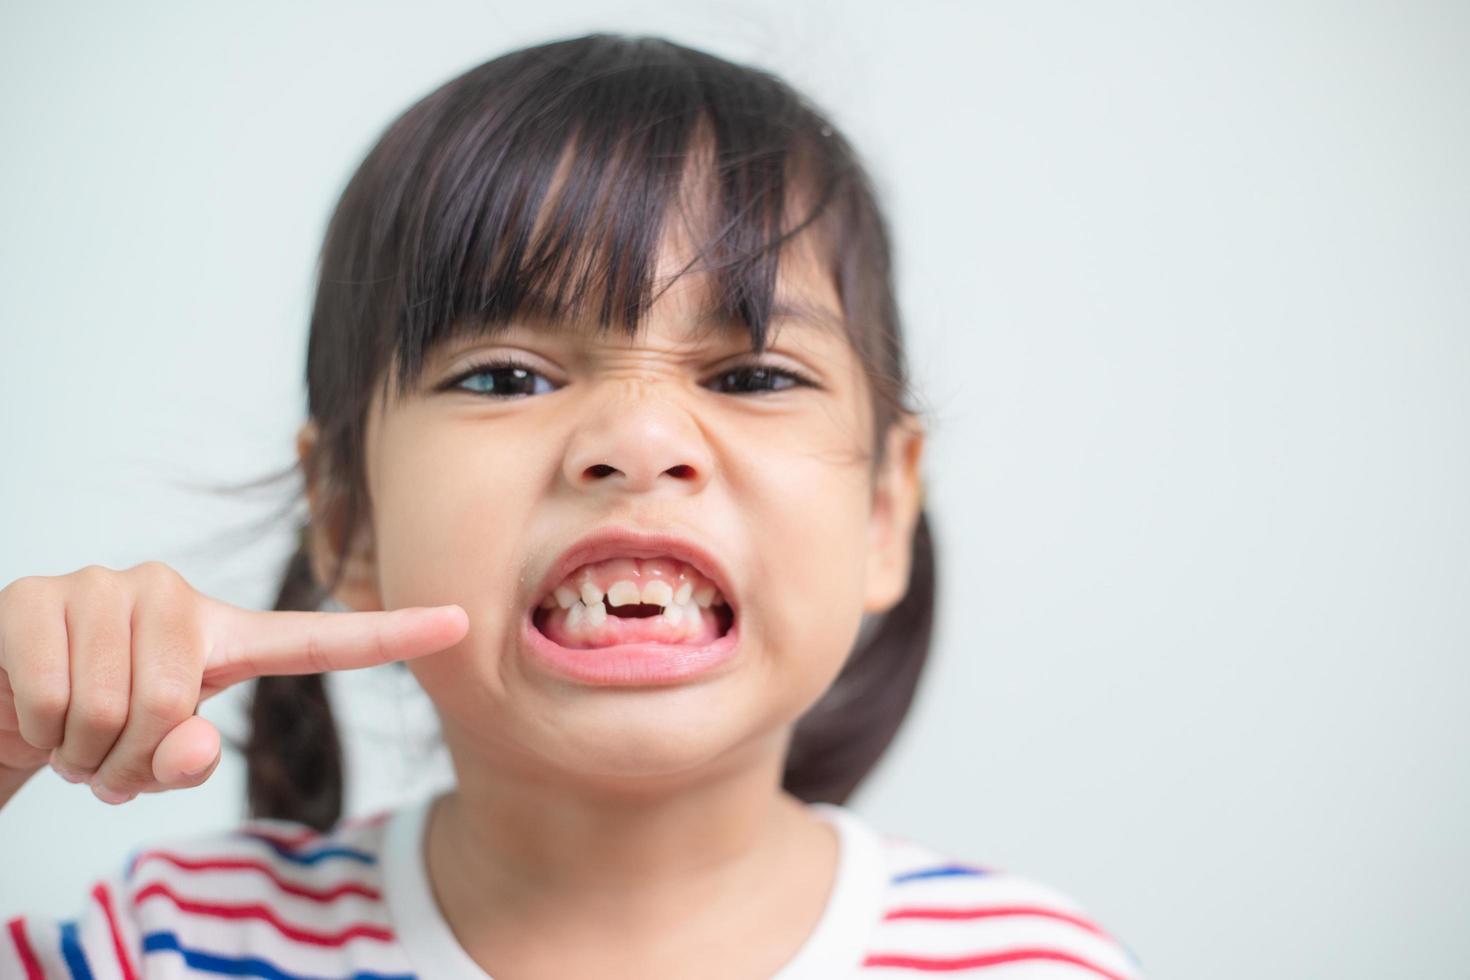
(1188, 290)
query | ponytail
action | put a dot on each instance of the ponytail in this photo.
(838, 741)
(293, 756)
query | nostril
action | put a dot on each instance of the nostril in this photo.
(601, 469)
(682, 470)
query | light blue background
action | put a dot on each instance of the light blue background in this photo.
(1189, 290)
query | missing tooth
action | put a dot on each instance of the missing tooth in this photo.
(639, 611)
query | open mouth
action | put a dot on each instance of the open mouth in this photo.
(624, 601)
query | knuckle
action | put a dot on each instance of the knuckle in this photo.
(169, 633)
(152, 569)
(41, 733)
(42, 701)
(175, 640)
(131, 774)
(94, 573)
(100, 713)
(71, 767)
(158, 577)
(98, 582)
(126, 769)
(26, 589)
(24, 606)
(39, 736)
(168, 699)
(316, 655)
(35, 643)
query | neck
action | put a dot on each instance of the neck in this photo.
(533, 852)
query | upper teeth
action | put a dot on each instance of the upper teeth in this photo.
(625, 592)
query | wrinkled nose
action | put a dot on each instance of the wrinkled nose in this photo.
(637, 439)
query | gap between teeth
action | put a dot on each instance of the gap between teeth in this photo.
(580, 614)
(625, 592)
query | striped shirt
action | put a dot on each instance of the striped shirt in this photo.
(274, 899)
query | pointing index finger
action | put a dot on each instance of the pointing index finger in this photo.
(248, 643)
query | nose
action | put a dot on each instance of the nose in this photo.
(637, 439)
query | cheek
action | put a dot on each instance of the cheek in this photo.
(812, 550)
(447, 524)
(451, 528)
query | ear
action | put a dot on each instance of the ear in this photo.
(898, 497)
(358, 589)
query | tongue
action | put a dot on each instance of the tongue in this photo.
(617, 630)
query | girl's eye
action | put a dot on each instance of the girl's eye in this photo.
(509, 379)
(758, 377)
(498, 379)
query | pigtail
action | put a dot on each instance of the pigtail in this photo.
(839, 740)
(293, 755)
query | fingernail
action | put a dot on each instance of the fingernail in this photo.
(112, 796)
(191, 773)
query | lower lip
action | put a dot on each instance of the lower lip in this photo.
(630, 664)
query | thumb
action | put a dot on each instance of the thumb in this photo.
(187, 752)
(246, 643)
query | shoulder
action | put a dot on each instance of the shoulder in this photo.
(265, 894)
(940, 912)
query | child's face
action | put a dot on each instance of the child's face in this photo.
(473, 498)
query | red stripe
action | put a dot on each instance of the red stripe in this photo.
(369, 820)
(291, 841)
(916, 912)
(99, 892)
(265, 914)
(23, 949)
(987, 959)
(251, 864)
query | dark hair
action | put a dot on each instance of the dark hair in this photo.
(452, 223)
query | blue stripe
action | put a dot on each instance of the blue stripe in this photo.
(71, 951)
(312, 857)
(244, 966)
(943, 871)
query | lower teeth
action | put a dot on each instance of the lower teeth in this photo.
(580, 615)
(585, 622)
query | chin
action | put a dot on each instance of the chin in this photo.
(660, 735)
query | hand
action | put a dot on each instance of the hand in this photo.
(101, 671)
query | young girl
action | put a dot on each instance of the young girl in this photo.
(609, 441)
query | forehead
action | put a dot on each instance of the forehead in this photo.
(804, 294)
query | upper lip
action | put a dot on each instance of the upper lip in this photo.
(627, 542)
